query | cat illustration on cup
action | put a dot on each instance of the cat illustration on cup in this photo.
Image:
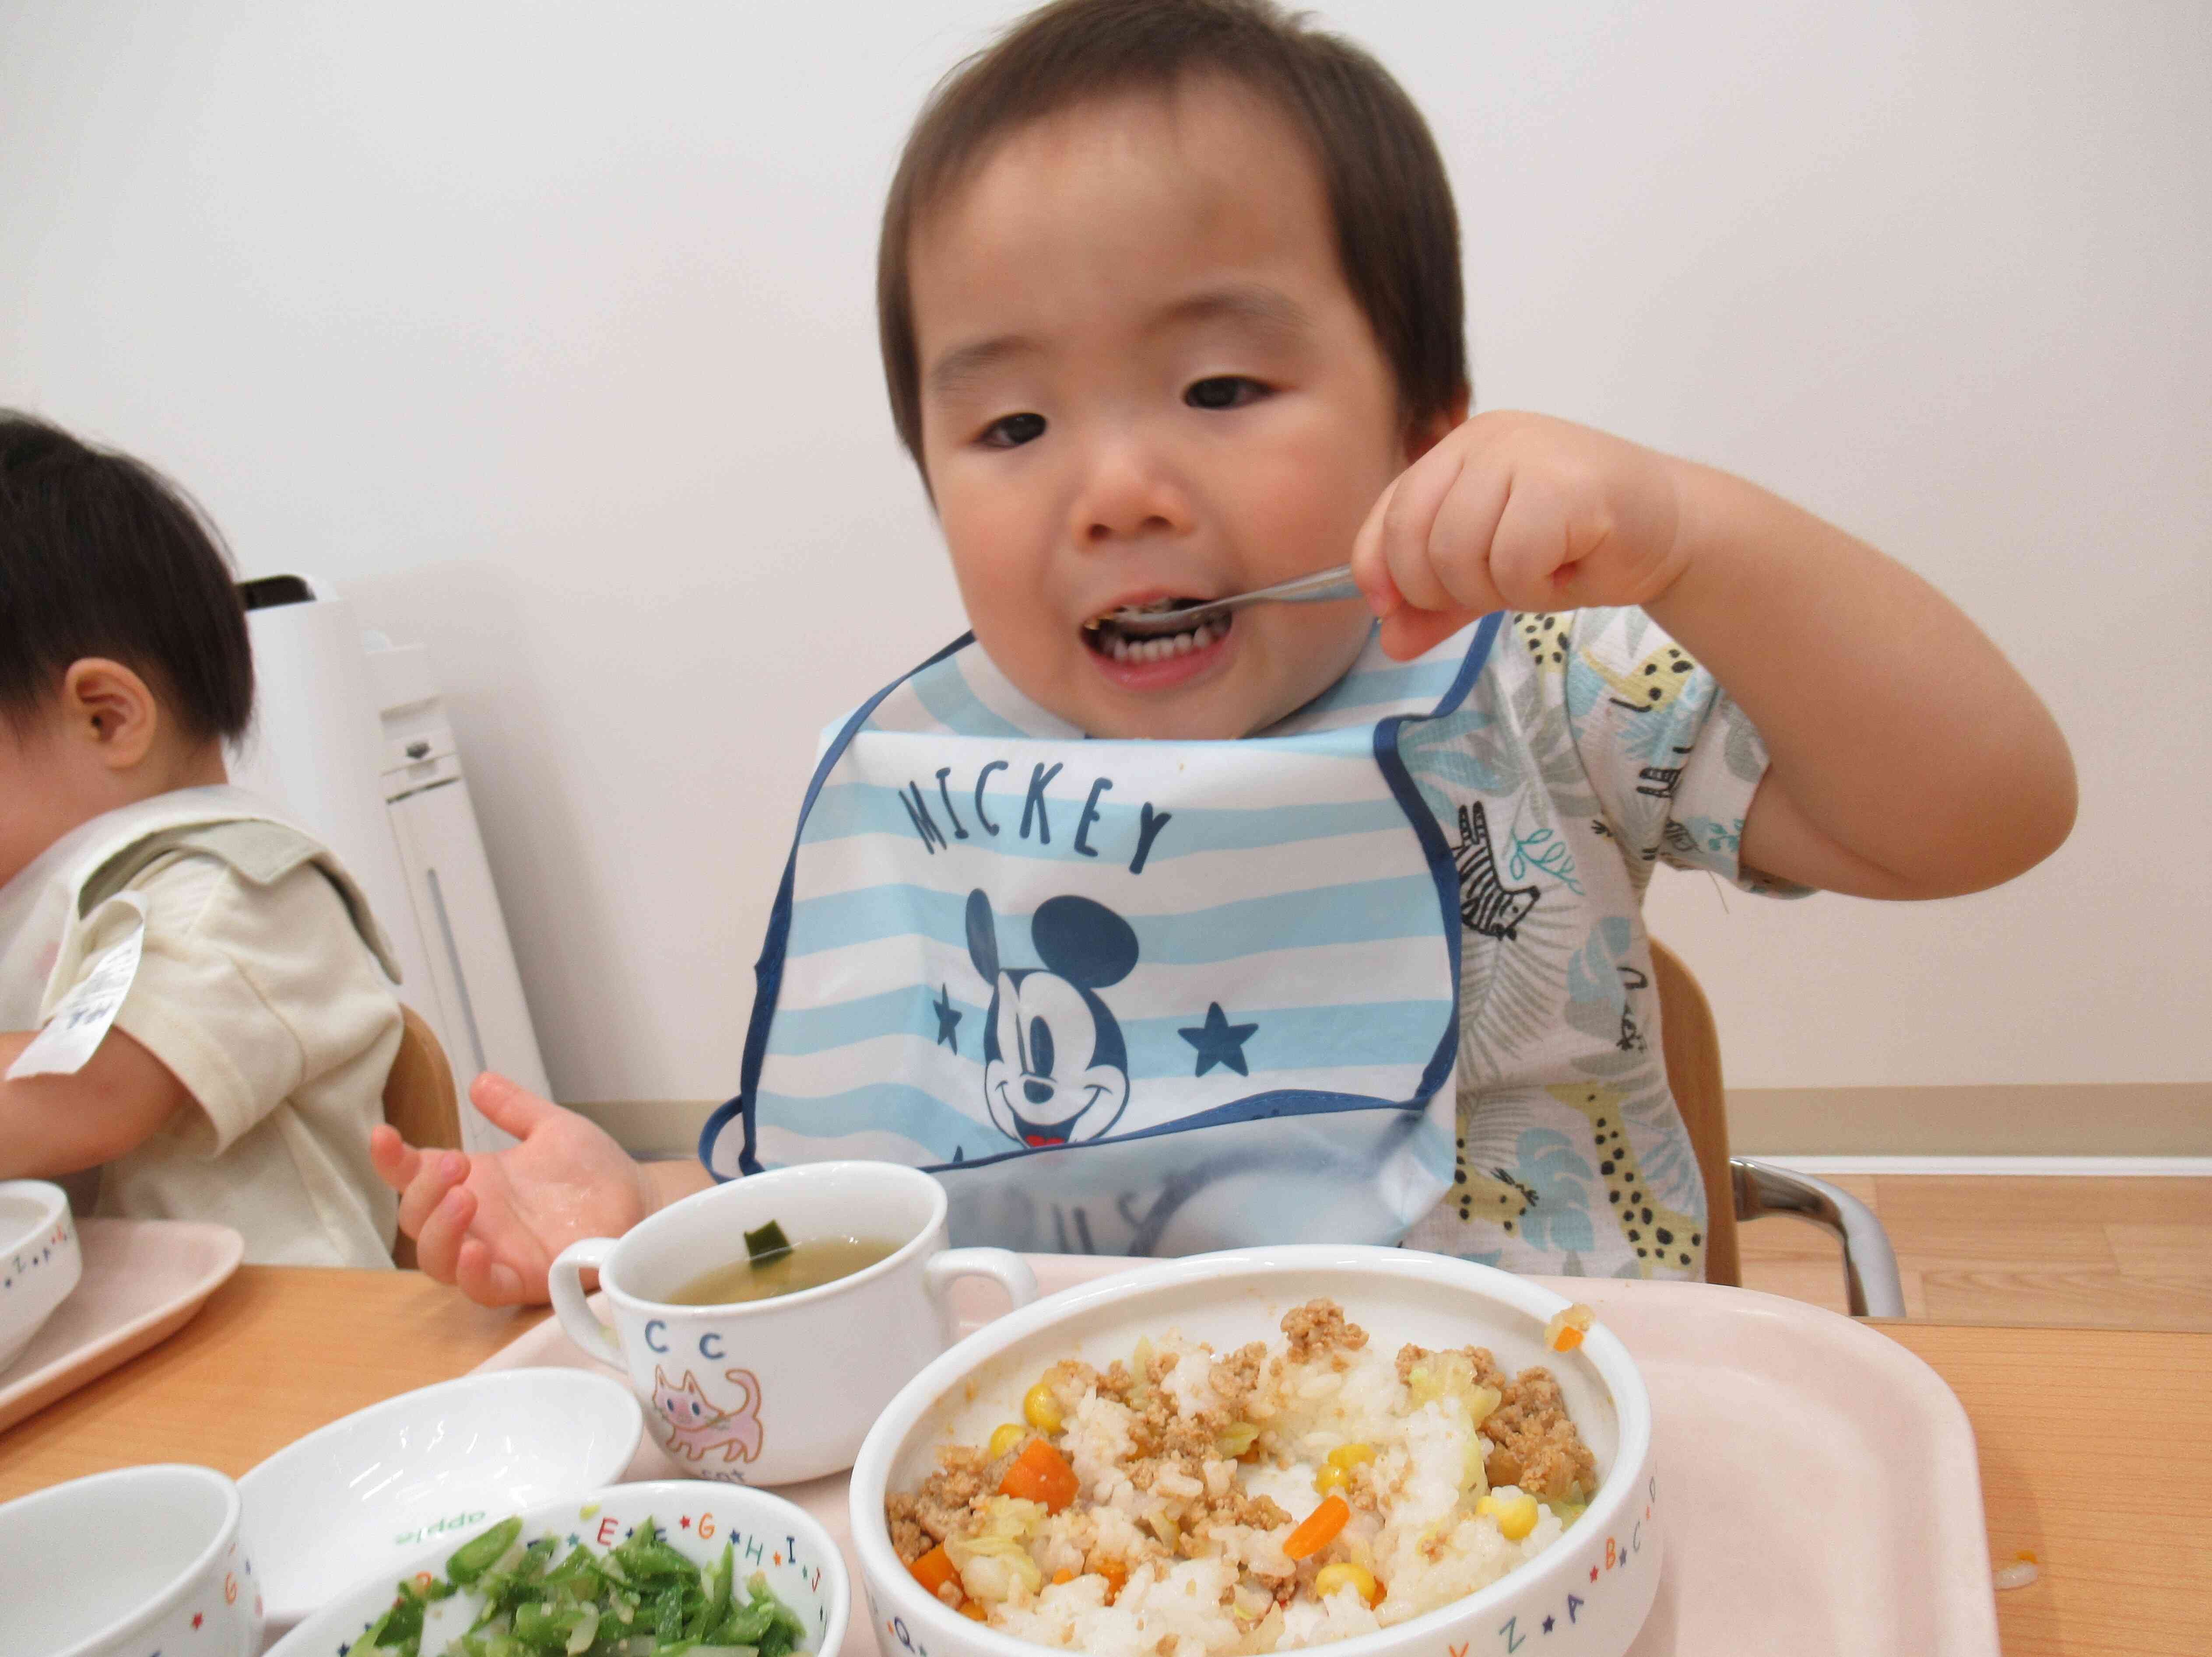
(697, 1424)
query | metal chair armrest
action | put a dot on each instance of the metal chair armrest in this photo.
(1871, 1284)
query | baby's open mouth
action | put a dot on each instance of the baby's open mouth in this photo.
(1108, 638)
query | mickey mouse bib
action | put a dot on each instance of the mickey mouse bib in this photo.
(1140, 998)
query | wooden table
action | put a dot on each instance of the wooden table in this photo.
(2096, 1445)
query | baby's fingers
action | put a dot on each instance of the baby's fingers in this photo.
(488, 1280)
(1428, 539)
(1410, 633)
(437, 1176)
(438, 1244)
(394, 1160)
(1396, 535)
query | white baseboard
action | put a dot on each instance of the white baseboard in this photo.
(2098, 1167)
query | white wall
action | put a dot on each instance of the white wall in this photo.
(547, 331)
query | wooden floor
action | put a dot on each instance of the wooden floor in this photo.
(2134, 1253)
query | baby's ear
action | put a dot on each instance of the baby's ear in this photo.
(109, 707)
(1085, 943)
(982, 936)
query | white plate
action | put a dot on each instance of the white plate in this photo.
(767, 1535)
(144, 1280)
(427, 1470)
(1824, 1491)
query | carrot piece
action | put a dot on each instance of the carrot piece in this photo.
(1319, 1528)
(1041, 1474)
(1063, 1576)
(1117, 1577)
(934, 1569)
(974, 1611)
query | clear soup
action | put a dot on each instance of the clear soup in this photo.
(808, 1266)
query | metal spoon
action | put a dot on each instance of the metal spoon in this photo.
(1318, 588)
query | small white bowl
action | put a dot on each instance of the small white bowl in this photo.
(1584, 1596)
(426, 1468)
(40, 1263)
(769, 1534)
(125, 1563)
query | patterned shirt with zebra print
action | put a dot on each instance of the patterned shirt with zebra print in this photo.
(1592, 750)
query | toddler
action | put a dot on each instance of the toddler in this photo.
(194, 1013)
(1336, 935)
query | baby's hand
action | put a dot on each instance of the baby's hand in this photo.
(492, 1222)
(1516, 512)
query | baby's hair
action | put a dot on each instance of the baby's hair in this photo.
(1397, 235)
(100, 555)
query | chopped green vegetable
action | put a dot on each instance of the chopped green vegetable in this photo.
(768, 1243)
(641, 1598)
(479, 1553)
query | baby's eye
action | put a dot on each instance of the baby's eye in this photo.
(1223, 392)
(1013, 431)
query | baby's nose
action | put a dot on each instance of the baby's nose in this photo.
(1128, 493)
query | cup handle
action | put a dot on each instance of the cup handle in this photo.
(1010, 1269)
(564, 1280)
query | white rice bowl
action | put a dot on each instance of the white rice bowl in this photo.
(1594, 1580)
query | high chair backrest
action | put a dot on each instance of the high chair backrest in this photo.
(1691, 1045)
(419, 1100)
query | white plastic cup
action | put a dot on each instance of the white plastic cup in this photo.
(771, 1392)
(123, 1563)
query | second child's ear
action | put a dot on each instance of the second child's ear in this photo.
(1427, 431)
(110, 709)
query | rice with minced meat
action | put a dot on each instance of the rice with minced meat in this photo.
(1192, 1469)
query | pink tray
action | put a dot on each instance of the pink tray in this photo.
(1825, 1494)
(144, 1280)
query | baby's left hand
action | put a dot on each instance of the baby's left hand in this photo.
(1517, 512)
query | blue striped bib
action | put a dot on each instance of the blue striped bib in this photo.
(1136, 998)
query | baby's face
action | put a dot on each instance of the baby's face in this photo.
(1144, 378)
(38, 793)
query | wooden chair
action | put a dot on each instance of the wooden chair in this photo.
(1740, 1188)
(420, 1101)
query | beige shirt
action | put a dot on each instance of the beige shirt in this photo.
(263, 998)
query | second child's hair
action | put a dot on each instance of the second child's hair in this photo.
(1397, 236)
(100, 555)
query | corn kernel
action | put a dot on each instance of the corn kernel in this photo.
(1041, 1409)
(1330, 1477)
(1335, 1579)
(1348, 1456)
(1515, 1515)
(1005, 1438)
(1567, 1327)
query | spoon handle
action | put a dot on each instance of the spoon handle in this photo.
(1322, 586)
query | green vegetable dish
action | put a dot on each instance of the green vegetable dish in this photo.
(641, 1598)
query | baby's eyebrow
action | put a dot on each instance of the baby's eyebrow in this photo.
(953, 372)
(1265, 310)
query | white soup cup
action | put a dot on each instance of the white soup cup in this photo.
(771, 1392)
